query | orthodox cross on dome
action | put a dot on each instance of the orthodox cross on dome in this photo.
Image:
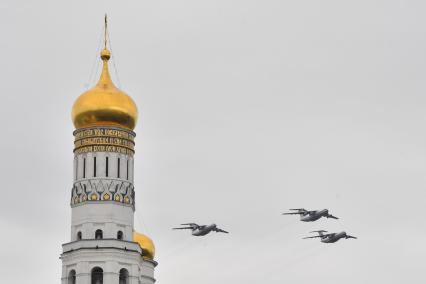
(106, 31)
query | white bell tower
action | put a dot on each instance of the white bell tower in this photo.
(104, 248)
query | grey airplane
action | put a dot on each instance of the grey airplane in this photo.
(201, 230)
(310, 216)
(330, 238)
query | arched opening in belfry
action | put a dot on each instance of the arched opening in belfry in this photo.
(97, 276)
(118, 168)
(79, 236)
(94, 166)
(124, 276)
(99, 234)
(119, 235)
(71, 277)
(84, 167)
(127, 170)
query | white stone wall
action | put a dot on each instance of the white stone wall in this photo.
(111, 261)
(110, 217)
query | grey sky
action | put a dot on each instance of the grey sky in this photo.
(248, 108)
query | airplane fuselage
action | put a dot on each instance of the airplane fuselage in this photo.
(333, 237)
(314, 215)
(203, 230)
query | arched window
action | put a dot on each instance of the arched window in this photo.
(97, 275)
(124, 276)
(119, 235)
(98, 234)
(79, 236)
(71, 277)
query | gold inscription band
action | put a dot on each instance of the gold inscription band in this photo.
(104, 139)
(91, 132)
(102, 148)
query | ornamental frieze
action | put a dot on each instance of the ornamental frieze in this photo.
(103, 190)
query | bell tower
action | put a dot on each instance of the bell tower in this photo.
(104, 248)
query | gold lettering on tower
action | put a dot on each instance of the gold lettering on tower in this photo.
(104, 139)
(125, 134)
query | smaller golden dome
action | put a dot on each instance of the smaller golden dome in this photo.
(147, 245)
(104, 104)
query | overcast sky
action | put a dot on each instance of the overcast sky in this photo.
(247, 108)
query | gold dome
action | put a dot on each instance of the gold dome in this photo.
(104, 104)
(147, 245)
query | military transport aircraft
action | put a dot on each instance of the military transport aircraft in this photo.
(201, 230)
(330, 238)
(309, 216)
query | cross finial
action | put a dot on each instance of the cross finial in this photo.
(106, 31)
(105, 54)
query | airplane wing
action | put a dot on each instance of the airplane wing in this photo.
(300, 211)
(191, 226)
(318, 231)
(319, 236)
(220, 231)
(313, 237)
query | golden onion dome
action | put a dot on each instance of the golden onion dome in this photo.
(104, 104)
(147, 245)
